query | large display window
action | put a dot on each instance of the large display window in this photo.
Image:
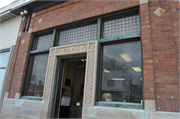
(121, 74)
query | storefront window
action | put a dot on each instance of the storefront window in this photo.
(37, 74)
(38, 58)
(4, 59)
(4, 56)
(121, 73)
(2, 73)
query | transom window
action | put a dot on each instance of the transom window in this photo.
(121, 25)
(42, 42)
(77, 34)
(4, 56)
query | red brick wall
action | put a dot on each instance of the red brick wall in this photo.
(160, 44)
(148, 62)
(160, 38)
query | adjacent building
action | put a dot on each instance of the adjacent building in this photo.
(9, 29)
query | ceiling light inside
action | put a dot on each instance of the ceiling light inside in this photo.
(118, 79)
(126, 57)
(136, 69)
(106, 71)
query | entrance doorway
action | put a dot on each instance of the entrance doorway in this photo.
(68, 98)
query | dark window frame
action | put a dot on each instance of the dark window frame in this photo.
(28, 68)
(125, 38)
(100, 62)
(7, 70)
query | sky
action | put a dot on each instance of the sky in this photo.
(6, 2)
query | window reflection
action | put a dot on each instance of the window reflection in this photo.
(37, 75)
(121, 73)
(2, 73)
(4, 59)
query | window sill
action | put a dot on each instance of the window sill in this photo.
(31, 98)
(120, 104)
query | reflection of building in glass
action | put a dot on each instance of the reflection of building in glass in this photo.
(36, 86)
(136, 92)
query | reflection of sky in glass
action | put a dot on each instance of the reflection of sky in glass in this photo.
(132, 49)
(39, 67)
(4, 59)
(2, 73)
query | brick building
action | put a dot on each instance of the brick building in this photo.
(96, 59)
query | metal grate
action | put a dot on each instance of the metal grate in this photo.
(43, 42)
(120, 26)
(77, 35)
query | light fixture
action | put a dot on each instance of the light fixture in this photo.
(140, 78)
(83, 60)
(126, 57)
(136, 69)
(118, 79)
(25, 12)
(106, 71)
(22, 13)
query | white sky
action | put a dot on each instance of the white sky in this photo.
(5, 2)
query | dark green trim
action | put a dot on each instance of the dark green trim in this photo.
(31, 98)
(53, 38)
(76, 24)
(98, 73)
(44, 32)
(39, 51)
(33, 38)
(2, 67)
(5, 50)
(125, 12)
(135, 35)
(141, 61)
(69, 57)
(46, 6)
(99, 29)
(56, 80)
